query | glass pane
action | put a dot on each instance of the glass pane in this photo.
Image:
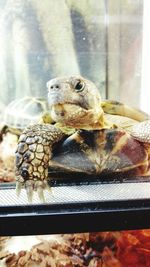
(100, 40)
(124, 32)
(38, 44)
(97, 171)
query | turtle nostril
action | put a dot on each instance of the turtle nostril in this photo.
(55, 86)
(25, 174)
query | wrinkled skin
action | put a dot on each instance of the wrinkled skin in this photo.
(96, 147)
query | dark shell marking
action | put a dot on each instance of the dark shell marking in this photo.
(119, 151)
(110, 151)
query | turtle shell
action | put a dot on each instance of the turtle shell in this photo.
(23, 112)
(108, 152)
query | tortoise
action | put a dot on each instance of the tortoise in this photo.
(19, 113)
(16, 116)
(88, 136)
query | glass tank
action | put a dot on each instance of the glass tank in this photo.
(74, 134)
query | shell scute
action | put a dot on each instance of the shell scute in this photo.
(25, 111)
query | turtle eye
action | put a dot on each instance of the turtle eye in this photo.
(79, 86)
(25, 174)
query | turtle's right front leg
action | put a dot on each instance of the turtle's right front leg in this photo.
(33, 154)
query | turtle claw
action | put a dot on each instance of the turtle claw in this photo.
(18, 188)
(40, 192)
(31, 186)
(49, 189)
(40, 186)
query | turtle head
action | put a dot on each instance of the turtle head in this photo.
(75, 102)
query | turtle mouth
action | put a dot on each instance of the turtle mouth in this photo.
(69, 104)
(68, 110)
(75, 115)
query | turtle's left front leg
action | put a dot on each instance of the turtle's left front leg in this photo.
(33, 155)
(141, 131)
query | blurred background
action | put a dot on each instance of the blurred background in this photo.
(101, 40)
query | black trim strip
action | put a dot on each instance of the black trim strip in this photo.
(75, 218)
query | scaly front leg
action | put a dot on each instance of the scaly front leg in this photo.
(141, 131)
(33, 154)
